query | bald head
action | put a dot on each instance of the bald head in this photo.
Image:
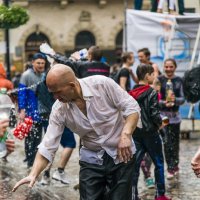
(62, 82)
(60, 75)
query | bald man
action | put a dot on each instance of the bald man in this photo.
(104, 116)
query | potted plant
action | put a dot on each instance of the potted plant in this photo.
(12, 17)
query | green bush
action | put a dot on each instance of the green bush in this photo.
(12, 17)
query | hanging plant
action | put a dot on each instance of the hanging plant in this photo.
(12, 17)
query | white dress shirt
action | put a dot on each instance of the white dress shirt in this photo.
(107, 107)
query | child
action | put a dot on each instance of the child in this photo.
(147, 138)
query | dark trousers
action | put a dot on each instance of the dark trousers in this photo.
(181, 7)
(32, 141)
(152, 145)
(109, 181)
(154, 5)
(171, 145)
(138, 4)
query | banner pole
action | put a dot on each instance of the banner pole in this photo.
(195, 48)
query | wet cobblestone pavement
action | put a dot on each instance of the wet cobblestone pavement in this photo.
(185, 187)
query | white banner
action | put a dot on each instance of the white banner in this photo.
(166, 36)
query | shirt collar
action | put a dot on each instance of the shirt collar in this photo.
(86, 91)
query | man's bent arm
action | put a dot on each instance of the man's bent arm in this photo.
(130, 124)
(124, 146)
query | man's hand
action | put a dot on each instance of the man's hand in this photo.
(3, 125)
(27, 180)
(39, 165)
(195, 162)
(124, 148)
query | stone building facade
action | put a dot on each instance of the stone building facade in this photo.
(70, 25)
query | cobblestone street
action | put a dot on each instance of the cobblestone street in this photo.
(186, 187)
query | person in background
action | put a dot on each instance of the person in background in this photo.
(84, 68)
(107, 155)
(125, 72)
(144, 56)
(30, 106)
(181, 7)
(4, 82)
(147, 138)
(171, 98)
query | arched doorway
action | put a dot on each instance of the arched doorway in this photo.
(84, 39)
(33, 42)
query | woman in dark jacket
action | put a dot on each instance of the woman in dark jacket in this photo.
(169, 106)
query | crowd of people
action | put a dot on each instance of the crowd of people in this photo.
(121, 128)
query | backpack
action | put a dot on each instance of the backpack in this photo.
(115, 76)
(191, 84)
(45, 98)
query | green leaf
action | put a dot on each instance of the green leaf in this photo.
(12, 17)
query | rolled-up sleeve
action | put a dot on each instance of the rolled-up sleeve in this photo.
(122, 100)
(51, 140)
